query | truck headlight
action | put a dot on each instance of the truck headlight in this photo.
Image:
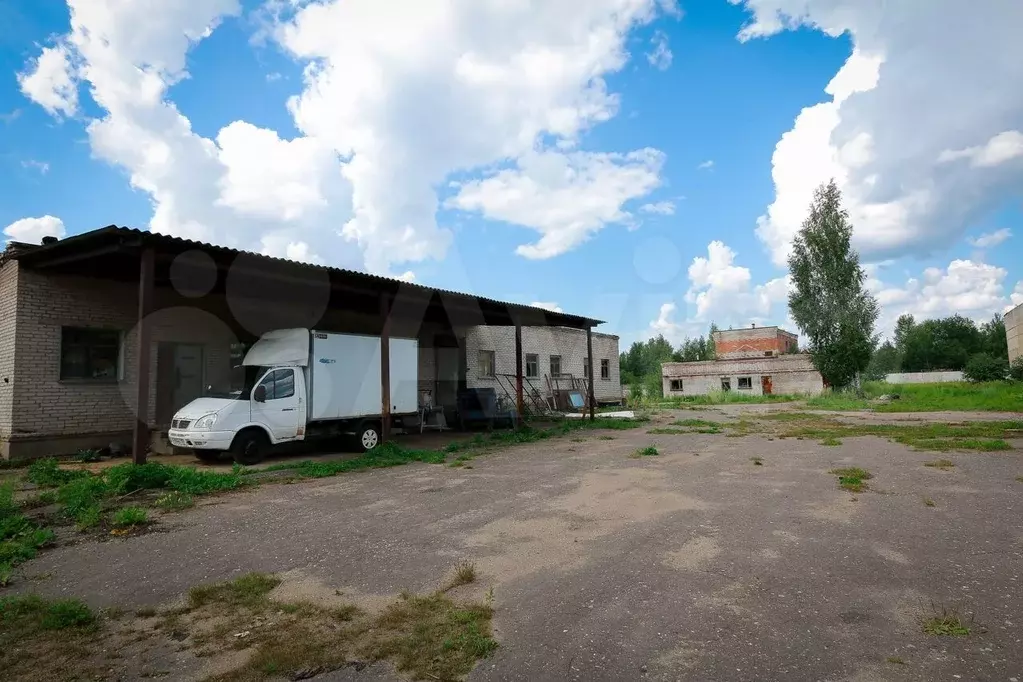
(205, 423)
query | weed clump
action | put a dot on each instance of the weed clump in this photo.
(943, 464)
(648, 451)
(852, 479)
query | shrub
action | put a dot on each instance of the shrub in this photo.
(47, 473)
(985, 367)
(129, 477)
(130, 516)
(1016, 369)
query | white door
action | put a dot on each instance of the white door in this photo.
(280, 410)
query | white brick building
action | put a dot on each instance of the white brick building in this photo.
(69, 319)
(552, 356)
(753, 361)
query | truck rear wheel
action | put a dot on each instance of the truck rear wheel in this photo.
(249, 447)
(367, 436)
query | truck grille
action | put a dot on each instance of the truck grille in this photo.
(180, 423)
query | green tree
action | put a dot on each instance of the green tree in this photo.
(885, 360)
(993, 338)
(944, 344)
(711, 350)
(828, 301)
(903, 326)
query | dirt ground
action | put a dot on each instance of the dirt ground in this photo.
(692, 565)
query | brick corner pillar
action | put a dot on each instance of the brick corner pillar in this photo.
(385, 370)
(589, 359)
(140, 436)
(519, 402)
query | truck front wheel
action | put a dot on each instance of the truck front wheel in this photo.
(367, 436)
(208, 456)
(249, 447)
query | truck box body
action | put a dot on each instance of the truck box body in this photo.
(345, 376)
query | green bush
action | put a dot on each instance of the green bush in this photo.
(47, 473)
(985, 367)
(127, 478)
(1016, 369)
(130, 516)
(80, 499)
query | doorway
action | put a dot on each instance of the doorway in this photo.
(766, 385)
(180, 376)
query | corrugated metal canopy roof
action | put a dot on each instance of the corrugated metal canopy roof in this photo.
(112, 253)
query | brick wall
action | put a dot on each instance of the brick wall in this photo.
(790, 374)
(1014, 332)
(755, 342)
(544, 342)
(8, 319)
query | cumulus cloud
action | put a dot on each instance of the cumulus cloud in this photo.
(722, 290)
(565, 197)
(395, 99)
(989, 239)
(706, 165)
(659, 208)
(50, 81)
(966, 287)
(660, 56)
(547, 305)
(1016, 297)
(32, 230)
(918, 84)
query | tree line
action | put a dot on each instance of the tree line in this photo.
(641, 364)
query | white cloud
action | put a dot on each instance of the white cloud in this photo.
(32, 230)
(395, 99)
(1016, 297)
(50, 81)
(40, 166)
(565, 197)
(989, 239)
(659, 208)
(999, 149)
(706, 165)
(547, 305)
(660, 56)
(722, 290)
(969, 288)
(880, 135)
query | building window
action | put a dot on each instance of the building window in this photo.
(486, 367)
(586, 368)
(676, 385)
(726, 384)
(532, 365)
(90, 354)
(745, 382)
(555, 365)
(279, 383)
(605, 369)
(768, 353)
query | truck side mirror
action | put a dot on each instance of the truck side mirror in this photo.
(259, 395)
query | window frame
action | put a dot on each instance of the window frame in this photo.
(480, 364)
(272, 376)
(536, 365)
(605, 369)
(550, 363)
(64, 345)
(748, 379)
(726, 384)
(676, 385)
(586, 368)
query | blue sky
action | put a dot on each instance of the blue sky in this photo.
(645, 163)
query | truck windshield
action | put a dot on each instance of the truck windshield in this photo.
(243, 380)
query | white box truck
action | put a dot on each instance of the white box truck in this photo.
(301, 384)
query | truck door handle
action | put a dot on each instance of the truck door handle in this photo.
(287, 409)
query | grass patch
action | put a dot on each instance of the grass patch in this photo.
(42, 639)
(695, 422)
(1000, 396)
(605, 437)
(852, 479)
(175, 501)
(465, 573)
(946, 624)
(1019, 479)
(928, 502)
(20, 538)
(721, 398)
(985, 436)
(249, 590)
(426, 636)
(128, 517)
(648, 451)
(757, 461)
(943, 464)
(831, 441)
(895, 660)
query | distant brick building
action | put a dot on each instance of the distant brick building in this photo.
(755, 342)
(755, 361)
